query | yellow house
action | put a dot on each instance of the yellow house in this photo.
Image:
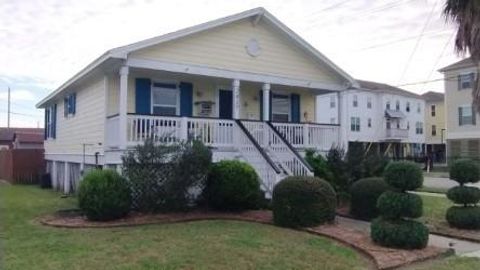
(245, 85)
(435, 131)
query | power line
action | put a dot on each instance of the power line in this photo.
(418, 41)
(451, 78)
(22, 114)
(441, 55)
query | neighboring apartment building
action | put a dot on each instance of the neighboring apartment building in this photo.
(389, 118)
(435, 125)
(463, 128)
(245, 85)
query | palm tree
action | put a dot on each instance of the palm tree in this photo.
(466, 15)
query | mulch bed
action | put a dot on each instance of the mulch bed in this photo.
(439, 228)
(384, 258)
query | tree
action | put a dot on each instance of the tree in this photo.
(466, 15)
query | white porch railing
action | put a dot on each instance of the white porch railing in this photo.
(212, 132)
(277, 148)
(217, 132)
(319, 136)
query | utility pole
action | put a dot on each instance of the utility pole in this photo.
(8, 112)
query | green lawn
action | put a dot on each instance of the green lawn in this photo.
(195, 245)
(452, 263)
(434, 208)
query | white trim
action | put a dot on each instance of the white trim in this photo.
(76, 158)
(230, 74)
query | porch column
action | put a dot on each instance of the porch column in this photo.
(266, 101)
(236, 99)
(122, 110)
(342, 121)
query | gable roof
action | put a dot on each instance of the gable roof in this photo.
(464, 63)
(256, 14)
(433, 96)
(385, 88)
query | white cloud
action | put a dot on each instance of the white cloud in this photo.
(18, 95)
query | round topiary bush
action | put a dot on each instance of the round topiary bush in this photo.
(303, 201)
(464, 195)
(406, 234)
(464, 217)
(395, 227)
(363, 197)
(396, 205)
(467, 217)
(403, 175)
(232, 185)
(104, 195)
(465, 171)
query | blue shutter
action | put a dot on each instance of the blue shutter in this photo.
(54, 121)
(45, 131)
(74, 103)
(295, 104)
(186, 99)
(142, 96)
(260, 100)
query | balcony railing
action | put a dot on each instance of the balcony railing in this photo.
(396, 133)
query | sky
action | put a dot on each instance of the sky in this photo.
(44, 43)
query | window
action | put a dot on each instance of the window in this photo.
(355, 101)
(332, 120)
(69, 105)
(408, 125)
(388, 105)
(419, 128)
(388, 124)
(355, 124)
(332, 102)
(434, 130)
(51, 121)
(280, 108)
(369, 122)
(407, 107)
(369, 102)
(419, 108)
(397, 105)
(466, 116)
(432, 110)
(465, 81)
(165, 99)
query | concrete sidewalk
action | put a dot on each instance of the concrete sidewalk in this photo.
(461, 247)
(446, 183)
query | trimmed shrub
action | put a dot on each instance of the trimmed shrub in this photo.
(406, 234)
(104, 195)
(363, 197)
(403, 175)
(465, 171)
(467, 217)
(232, 185)
(392, 205)
(464, 217)
(394, 227)
(303, 201)
(464, 195)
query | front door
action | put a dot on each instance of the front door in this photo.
(225, 104)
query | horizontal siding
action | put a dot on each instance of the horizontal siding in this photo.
(86, 126)
(224, 47)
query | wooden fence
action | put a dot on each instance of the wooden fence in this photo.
(22, 166)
